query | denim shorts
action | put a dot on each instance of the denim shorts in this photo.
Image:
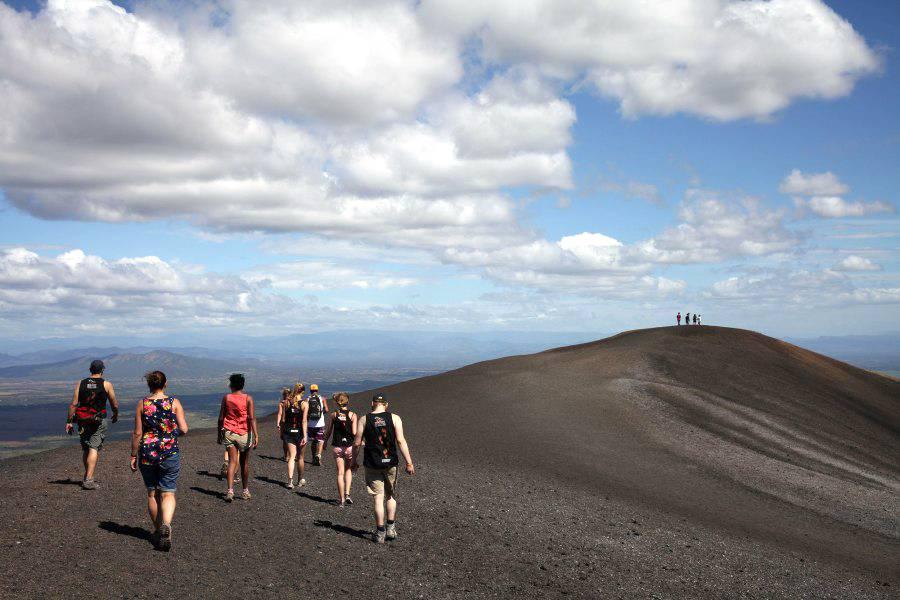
(164, 475)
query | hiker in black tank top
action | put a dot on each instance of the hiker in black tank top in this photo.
(341, 432)
(381, 441)
(292, 425)
(382, 434)
(87, 412)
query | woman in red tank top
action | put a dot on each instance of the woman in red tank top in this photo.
(237, 430)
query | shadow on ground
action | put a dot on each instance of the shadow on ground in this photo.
(359, 533)
(212, 493)
(117, 528)
(265, 479)
(315, 498)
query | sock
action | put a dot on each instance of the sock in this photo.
(381, 528)
(390, 522)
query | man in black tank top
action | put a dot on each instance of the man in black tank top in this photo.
(382, 434)
(87, 411)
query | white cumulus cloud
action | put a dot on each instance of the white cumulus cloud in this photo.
(713, 229)
(856, 263)
(823, 195)
(721, 59)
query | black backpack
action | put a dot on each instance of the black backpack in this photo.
(315, 408)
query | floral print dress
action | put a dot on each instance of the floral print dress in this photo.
(160, 438)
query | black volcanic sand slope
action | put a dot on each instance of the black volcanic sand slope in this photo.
(691, 462)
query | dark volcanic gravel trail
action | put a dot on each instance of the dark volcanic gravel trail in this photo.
(657, 464)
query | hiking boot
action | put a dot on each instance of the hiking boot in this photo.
(246, 494)
(379, 536)
(89, 484)
(165, 538)
(229, 495)
(154, 539)
(348, 500)
(391, 532)
(223, 472)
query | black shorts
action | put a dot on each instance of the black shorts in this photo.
(292, 438)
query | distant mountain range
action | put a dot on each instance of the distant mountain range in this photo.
(60, 359)
(133, 366)
(357, 348)
(874, 352)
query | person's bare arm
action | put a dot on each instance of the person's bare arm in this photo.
(280, 415)
(136, 434)
(303, 420)
(219, 439)
(113, 403)
(357, 442)
(72, 406)
(402, 445)
(328, 432)
(251, 421)
(354, 421)
(179, 416)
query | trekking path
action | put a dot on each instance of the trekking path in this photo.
(693, 462)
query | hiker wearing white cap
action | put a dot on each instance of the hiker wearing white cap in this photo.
(87, 411)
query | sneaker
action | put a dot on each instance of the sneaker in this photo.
(301, 483)
(246, 494)
(237, 478)
(290, 484)
(88, 484)
(391, 532)
(348, 500)
(154, 539)
(223, 472)
(165, 538)
(317, 461)
(379, 536)
(229, 495)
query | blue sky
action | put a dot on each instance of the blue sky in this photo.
(448, 166)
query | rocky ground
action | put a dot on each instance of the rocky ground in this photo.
(502, 509)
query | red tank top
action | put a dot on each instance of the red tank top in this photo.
(236, 413)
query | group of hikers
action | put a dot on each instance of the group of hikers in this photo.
(687, 318)
(301, 422)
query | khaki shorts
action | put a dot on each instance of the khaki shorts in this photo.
(92, 435)
(382, 481)
(241, 442)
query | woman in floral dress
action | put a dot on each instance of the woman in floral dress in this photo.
(158, 422)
